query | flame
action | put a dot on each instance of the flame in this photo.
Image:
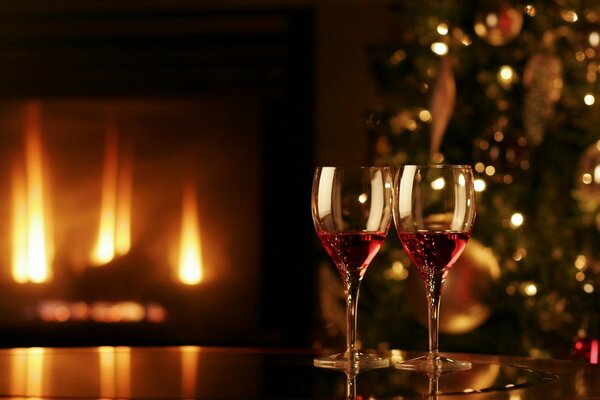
(31, 248)
(190, 251)
(114, 237)
(123, 228)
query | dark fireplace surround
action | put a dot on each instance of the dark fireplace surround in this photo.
(222, 95)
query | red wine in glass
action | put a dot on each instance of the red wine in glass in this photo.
(352, 210)
(433, 252)
(352, 252)
(434, 213)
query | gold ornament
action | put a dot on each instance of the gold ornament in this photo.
(443, 99)
(588, 178)
(464, 305)
(498, 22)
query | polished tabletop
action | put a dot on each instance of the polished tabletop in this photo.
(242, 373)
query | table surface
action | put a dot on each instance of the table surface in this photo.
(242, 373)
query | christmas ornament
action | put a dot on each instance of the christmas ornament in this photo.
(443, 99)
(586, 348)
(498, 22)
(465, 301)
(588, 178)
(543, 83)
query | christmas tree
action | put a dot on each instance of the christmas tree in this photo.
(509, 88)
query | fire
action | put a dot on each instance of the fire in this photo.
(115, 209)
(31, 247)
(190, 251)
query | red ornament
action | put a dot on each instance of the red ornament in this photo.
(586, 349)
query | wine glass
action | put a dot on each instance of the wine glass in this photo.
(352, 211)
(434, 212)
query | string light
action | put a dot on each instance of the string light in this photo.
(569, 16)
(516, 220)
(530, 10)
(506, 75)
(398, 57)
(594, 39)
(442, 29)
(581, 262)
(425, 115)
(589, 99)
(397, 272)
(439, 48)
(479, 185)
(519, 254)
(586, 178)
(529, 289)
(438, 184)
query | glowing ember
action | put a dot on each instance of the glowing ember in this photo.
(115, 226)
(190, 253)
(31, 248)
(101, 312)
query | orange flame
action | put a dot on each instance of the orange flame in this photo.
(190, 250)
(115, 208)
(31, 247)
(123, 228)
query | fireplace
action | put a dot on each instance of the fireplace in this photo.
(156, 170)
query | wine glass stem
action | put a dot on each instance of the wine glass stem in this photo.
(351, 386)
(352, 286)
(434, 294)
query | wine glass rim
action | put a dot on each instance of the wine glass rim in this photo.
(357, 167)
(457, 166)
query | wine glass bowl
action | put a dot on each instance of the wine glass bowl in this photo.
(434, 213)
(352, 211)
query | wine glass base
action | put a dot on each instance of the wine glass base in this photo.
(360, 361)
(433, 365)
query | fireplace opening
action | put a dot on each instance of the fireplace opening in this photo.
(156, 176)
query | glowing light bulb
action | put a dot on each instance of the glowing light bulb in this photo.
(529, 289)
(569, 15)
(506, 74)
(438, 184)
(442, 29)
(439, 48)
(516, 220)
(581, 262)
(479, 185)
(425, 115)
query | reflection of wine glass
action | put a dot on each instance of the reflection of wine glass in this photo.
(434, 212)
(352, 210)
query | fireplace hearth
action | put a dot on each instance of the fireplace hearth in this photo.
(155, 160)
